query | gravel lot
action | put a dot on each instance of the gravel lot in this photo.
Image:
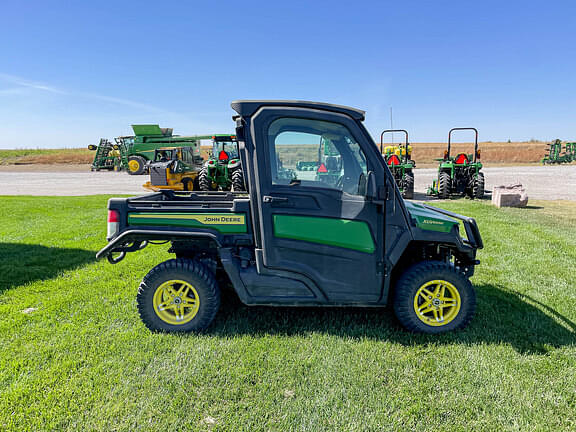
(541, 182)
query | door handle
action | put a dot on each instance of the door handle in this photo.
(271, 199)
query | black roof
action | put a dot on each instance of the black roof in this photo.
(249, 107)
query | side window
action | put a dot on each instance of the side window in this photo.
(315, 153)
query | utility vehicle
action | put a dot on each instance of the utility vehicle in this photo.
(223, 170)
(459, 175)
(174, 168)
(300, 241)
(400, 163)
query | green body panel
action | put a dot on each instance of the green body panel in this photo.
(225, 223)
(349, 234)
(152, 129)
(428, 219)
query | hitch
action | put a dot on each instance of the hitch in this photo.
(112, 260)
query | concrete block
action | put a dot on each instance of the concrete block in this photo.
(513, 195)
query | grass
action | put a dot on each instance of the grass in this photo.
(75, 356)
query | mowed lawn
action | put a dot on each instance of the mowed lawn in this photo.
(75, 356)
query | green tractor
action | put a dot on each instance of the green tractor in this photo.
(399, 161)
(223, 170)
(459, 175)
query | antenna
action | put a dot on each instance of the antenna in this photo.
(391, 125)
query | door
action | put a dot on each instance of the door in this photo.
(314, 219)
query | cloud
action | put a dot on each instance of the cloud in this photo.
(24, 83)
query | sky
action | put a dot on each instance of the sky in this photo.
(72, 72)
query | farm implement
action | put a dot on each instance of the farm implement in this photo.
(459, 175)
(555, 155)
(399, 161)
(107, 156)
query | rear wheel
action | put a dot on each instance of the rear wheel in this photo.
(238, 181)
(478, 188)
(433, 297)
(444, 184)
(136, 165)
(204, 181)
(408, 185)
(178, 295)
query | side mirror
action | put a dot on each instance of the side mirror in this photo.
(239, 130)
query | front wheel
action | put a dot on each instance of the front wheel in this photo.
(433, 297)
(178, 295)
(136, 165)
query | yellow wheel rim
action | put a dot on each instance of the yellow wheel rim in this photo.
(133, 165)
(176, 302)
(437, 303)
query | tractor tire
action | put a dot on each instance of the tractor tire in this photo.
(204, 181)
(188, 184)
(444, 185)
(433, 297)
(178, 295)
(478, 188)
(408, 185)
(238, 184)
(136, 165)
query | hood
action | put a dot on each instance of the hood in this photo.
(428, 219)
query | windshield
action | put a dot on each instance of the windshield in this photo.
(230, 147)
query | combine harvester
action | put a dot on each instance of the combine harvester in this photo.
(132, 153)
(399, 161)
(460, 175)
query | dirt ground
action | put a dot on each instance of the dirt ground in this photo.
(541, 182)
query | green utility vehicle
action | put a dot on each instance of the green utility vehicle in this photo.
(223, 170)
(299, 241)
(459, 175)
(400, 163)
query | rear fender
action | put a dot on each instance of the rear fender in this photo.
(234, 164)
